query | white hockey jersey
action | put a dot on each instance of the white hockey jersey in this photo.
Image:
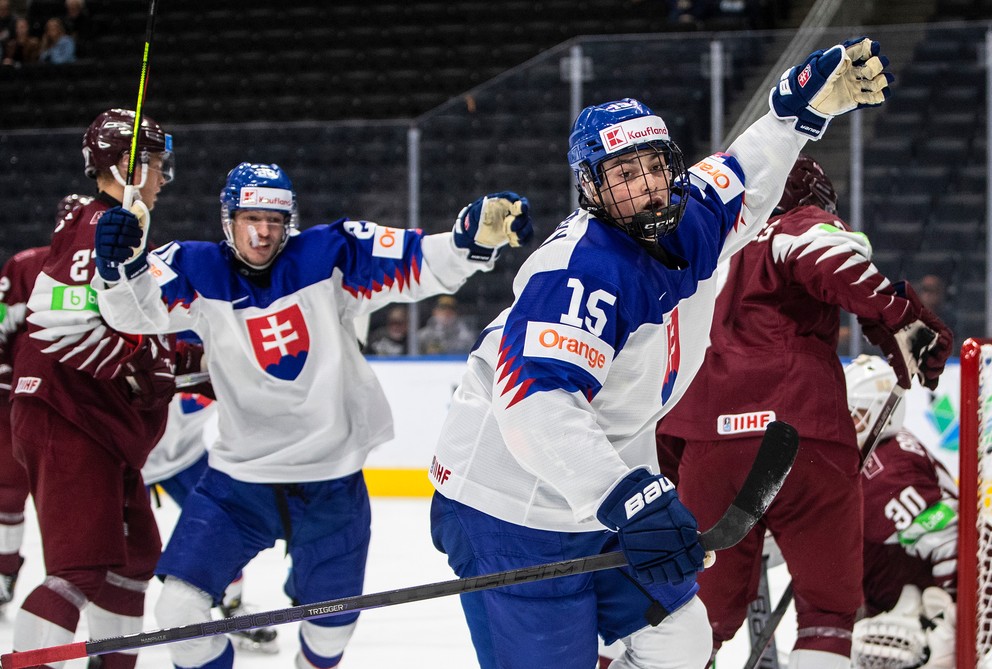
(296, 399)
(561, 396)
(192, 420)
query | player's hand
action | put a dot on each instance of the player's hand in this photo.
(829, 83)
(658, 535)
(120, 242)
(917, 347)
(492, 222)
(150, 373)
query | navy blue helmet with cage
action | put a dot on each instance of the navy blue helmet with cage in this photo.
(629, 129)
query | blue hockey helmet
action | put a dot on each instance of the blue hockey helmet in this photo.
(260, 187)
(606, 131)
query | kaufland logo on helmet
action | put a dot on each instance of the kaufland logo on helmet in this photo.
(268, 198)
(804, 76)
(633, 131)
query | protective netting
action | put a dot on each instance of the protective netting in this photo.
(982, 479)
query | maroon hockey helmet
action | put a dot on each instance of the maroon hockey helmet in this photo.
(109, 137)
(807, 184)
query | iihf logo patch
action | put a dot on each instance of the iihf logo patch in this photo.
(280, 342)
(804, 76)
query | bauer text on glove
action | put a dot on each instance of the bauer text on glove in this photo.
(829, 83)
(658, 535)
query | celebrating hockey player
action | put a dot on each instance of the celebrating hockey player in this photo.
(549, 439)
(774, 341)
(299, 407)
(88, 405)
(911, 537)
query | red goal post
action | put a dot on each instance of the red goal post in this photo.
(974, 602)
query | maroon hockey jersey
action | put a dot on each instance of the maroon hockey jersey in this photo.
(773, 352)
(71, 360)
(900, 481)
(16, 280)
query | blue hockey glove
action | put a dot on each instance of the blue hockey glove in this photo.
(829, 83)
(492, 222)
(120, 242)
(658, 535)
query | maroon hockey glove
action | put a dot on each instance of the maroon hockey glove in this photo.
(918, 346)
(189, 357)
(150, 374)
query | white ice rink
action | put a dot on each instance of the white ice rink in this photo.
(429, 634)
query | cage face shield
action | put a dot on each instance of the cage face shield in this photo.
(627, 169)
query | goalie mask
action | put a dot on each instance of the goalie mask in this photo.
(108, 139)
(260, 188)
(628, 170)
(807, 185)
(869, 382)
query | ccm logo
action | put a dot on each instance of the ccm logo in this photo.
(651, 492)
(553, 339)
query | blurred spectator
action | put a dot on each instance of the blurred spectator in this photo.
(391, 338)
(445, 331)
(57, 48)
(77, 23)
(932, 290)
(22, 48)
(7, 21)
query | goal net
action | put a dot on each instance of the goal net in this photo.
(974, 644)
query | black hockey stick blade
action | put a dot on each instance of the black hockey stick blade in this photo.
(771, 465)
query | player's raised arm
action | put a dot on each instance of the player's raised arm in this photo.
(827, 84)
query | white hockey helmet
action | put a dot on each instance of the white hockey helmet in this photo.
(869, 382)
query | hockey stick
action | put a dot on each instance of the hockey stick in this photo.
(758, 614)
(875, 433)
(771, 465)
(191, 379)
(129, 189)
(759, 644)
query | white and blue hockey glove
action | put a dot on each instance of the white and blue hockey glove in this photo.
(120, 243)
(829, 83)
(658, 535)
(492, 222)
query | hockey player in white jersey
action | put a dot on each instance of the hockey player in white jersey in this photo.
(549, 440)
(299, 407)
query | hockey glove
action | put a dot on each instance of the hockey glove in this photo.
(189, 360)
(149, 373)
(919, 347)
(492, 222)
(940, 622)
(120, 242)
(829, 83)
(658, 535)
(893, 639)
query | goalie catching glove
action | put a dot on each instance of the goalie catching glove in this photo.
(829, 83)
(658, 535)
(120, 240)
(917, 344)
(893, 639)
(492, 222)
